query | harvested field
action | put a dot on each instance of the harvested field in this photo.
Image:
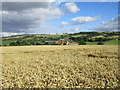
(86, 66)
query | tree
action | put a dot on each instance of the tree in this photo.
(32, 43)
(39, 43)
(100, 43)
(4, 45)
(82, 43)
(18, 42)
(25, 43)
(12, 44)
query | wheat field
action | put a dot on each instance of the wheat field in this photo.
(82, 66)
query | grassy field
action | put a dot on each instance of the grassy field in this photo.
(91, 43)
(111, 42)
(7, 42)
(86, 66)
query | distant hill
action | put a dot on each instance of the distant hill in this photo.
(89, 38)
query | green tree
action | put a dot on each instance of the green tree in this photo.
(82, 43)
(4, 45)
(25, 43)
(100, 43)
(12, 44)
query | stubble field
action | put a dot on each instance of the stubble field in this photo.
(86, 66)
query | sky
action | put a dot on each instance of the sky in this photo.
(58, 17)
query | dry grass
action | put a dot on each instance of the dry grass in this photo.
(98, 36)
(60, 66)
(0, 68)
(114, 36)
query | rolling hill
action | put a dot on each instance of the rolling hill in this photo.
(89, 38)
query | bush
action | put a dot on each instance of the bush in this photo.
(24, 43)
(12, 44)
(4, 45)
(100, 43)
(55, 44)
(38, 43)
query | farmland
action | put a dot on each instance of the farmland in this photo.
(85, 66)
(82, 38)
(110, 42)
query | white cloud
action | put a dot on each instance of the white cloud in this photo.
(70, 8)
(83, 20)
(4, 34)
(75, 28)
(111, 25)
(28, 20)
(19, 6)
(64, 23)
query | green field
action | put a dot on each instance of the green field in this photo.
(112, 42)
(7, 42)
(91, 43)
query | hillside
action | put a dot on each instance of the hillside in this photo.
(89, 38)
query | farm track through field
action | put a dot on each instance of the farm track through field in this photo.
(60, 66)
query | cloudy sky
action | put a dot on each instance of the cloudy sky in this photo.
(58, 17)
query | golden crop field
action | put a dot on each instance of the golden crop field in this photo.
(82, 66)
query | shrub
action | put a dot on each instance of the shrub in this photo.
(55, 44)
(100, 43)
(4, 45)
(82, 43)
(12, 44)
(38, 43)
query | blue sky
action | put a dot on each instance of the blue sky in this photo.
(58, 17)
(104, 10)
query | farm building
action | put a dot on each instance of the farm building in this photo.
(62, 42)
(58, 42)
